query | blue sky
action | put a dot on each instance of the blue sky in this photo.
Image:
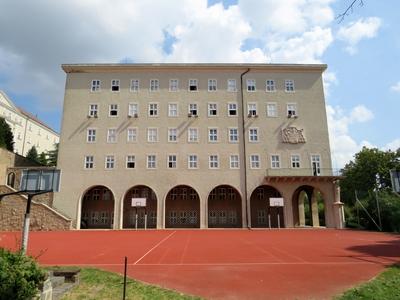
(362, 51)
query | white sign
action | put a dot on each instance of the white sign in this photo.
(275, 201)
(138, 202)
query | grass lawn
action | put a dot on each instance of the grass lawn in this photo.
(386, 286)
(97, 284)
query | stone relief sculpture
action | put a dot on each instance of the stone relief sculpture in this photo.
(293, 135)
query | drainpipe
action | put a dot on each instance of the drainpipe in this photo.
(244, 147)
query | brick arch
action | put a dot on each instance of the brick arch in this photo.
(309, 207)
(11, 179)
(262, 214)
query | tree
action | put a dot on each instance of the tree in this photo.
(42, 159)
(33, 154)
(52, 156)
(349, 9)
(6, 135)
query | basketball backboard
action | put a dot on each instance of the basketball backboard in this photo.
(38, 180)
(275, 201)
(138, 202)
(395, 176)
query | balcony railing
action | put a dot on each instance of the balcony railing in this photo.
(302, 172)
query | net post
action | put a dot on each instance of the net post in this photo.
(136, 216)
(269, 221)
(279, 221)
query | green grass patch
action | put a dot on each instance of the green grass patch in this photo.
(385, 286)
(97, 284)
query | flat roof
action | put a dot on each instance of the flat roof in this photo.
(95, 68)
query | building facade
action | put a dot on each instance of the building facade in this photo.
(27, 129)
(207, 146)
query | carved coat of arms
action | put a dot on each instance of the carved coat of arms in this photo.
(293, 135)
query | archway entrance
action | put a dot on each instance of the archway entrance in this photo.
(224, 208)
(130, 213)
(11, 179)
(97, 209)
(262, 214)
(182, 208)
(308, 207)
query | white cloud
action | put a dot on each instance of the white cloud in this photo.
(393, 145)
(396, 87)
(353, 33)
(360, 114)
(329, 79)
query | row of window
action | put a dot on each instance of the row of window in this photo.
(193, 85)
(193, 109)
(193, 161)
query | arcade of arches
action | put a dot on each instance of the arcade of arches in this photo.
(224, 208)
(308, 207)
(262, 214)
(97, 208)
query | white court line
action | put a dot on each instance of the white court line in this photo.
(158, 244)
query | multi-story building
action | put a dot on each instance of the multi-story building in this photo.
(27, 129)
(207, 145)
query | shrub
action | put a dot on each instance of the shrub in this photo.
(20, 276)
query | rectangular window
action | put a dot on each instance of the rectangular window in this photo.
(130, 161)
(212, 85)
(316, 164)
(135, 85)
(270, 85)
(89, 162)
(133, 110)
(115, 85)
(131, 135)
(292, 110)
(95, 87)
(154, 85)
(192, 85)
(153, 109)
(172, 135)
(172, 109)
(91, 135)
(193, 135)
(272, 110)
(173, 85)
(213, 162)
(295, 161)
(232, 109)
(192, 161)
(212, 109)
(231, 85)
(234, 161)
(193, 109)
(93, 110)
(233, 135)
(251, 85)
(289, 86)
(152, 135)
(113, 110)
(213, 135)
(252, 109)
(111, 135)
(253, 135)
(172, 161)
(151, 161)
(110, 162)
(254, 161)
(275, 161)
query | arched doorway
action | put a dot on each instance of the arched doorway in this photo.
(263, 215)
(224, 208)
(308, 207)
(11, 179)
(97, 209)
(130, 213)
(182, 208)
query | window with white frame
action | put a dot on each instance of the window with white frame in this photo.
(193, 85)
(133, 109)
(193, 109)
(111, 135)
(135, 85)
(270, 85)
(233, 135)
(89, 162)
(172, 109)
(95, 87)
(272, 110)
(212, 85)
(172, 135)
(213, 162)
(193, 135)
(152, 135)
(231, 83)
(291, 110)
(91, 135)
(130, 161)
(154, 85)
(110, 162)
(275, 161)
(295, 161)
(253, 135)
(172, 161)
(173, 85)
(153, 109)
(93, 110)
(212, 109)
(115, 85)
(254, 161)
(289, 85)
(316, 164)
(151, 161)
(232, 109)
(213, 135)
(192, 161)
(251, 85)
(252, 109)
(234, 161)
(131, 135)
(113, 110)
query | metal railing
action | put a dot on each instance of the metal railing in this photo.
(302, 172)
